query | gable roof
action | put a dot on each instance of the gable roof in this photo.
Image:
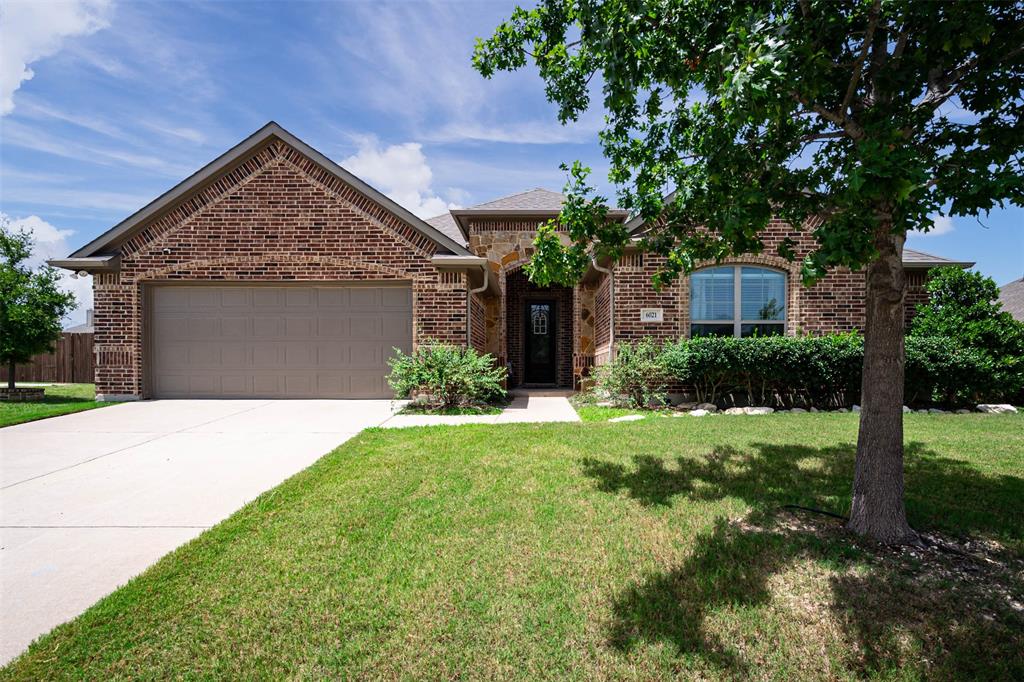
(1011, 295)
(536, 199)
(537, 202)
(446, 224)
(110, 239)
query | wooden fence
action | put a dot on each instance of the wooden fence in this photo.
(71, 362)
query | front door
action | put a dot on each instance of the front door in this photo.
(539, 323)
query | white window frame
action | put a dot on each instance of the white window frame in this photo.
(737, 303)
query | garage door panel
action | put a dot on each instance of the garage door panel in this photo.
(267, 327)
(337, 328)
(266, 297)
(333, 297)
(299, 327)
(234, 327)
(268, 341)
(399, 298)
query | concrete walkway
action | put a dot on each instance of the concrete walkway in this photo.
(89, 500)
(523, 408)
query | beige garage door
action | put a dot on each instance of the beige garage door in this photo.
(276, 341)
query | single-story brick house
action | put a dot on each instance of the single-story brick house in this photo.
(274, 272)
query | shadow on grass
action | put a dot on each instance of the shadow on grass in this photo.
(934, 614)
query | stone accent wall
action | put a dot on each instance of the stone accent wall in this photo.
(276, 216)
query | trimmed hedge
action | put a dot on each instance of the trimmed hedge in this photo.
(803, 371)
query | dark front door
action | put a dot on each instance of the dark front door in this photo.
(539, 323)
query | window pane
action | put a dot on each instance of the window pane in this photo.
(710, 330)
(763, 294)
(711, 294)
(761, 330)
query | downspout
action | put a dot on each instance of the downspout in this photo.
(611, 305)
(469, 304)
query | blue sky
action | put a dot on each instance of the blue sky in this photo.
(106, 105)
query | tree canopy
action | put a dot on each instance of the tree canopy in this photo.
(840, 113)
(32, 304)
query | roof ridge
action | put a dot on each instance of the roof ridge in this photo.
(513, 195)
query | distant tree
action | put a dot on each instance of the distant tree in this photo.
(31, 304)
(964, 304)
(832, 114)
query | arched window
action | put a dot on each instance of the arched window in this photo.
(737, 300)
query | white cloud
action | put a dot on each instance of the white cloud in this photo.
(32, 30)
(401, 172)
(941, 224)
(51, 242)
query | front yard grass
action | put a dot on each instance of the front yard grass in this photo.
(644, 550)
(59, 399)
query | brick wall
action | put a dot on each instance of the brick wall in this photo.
(834, 304)
(916, 294)
(276, 216)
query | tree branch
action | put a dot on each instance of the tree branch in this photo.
(858, 64)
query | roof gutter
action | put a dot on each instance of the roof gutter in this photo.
(88, 264)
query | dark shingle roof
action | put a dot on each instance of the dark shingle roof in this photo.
(446, 224)
(537, 199)
(1012, 297)
(912, 257)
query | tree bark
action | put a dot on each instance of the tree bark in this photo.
(877, 510)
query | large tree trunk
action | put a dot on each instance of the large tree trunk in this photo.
(877, 510)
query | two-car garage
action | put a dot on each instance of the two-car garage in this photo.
(275, 340)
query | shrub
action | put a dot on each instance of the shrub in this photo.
(773, 370)
(445, 375)
(942, 371)
(636, 376)
(825, 371)
(963, 305)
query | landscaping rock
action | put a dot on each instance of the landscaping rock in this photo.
(841, 409)
(906, 409)
(800, 410)
(627, 418)
(963, 411)
(757, 410)
(997, 409)
(815, 409)
(921, 411)
(935, 410)
(709, 407)
(22, 394)
(699, 413)
(855, 408)
(735, 410)
(605, 403)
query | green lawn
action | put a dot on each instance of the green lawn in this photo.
(60, 399)
(643, 550)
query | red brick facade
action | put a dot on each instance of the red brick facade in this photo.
(277, 216)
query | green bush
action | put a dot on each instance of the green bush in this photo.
(821, 371)
(444, 375)
(825, 371)
(963, 305)
(636, 376)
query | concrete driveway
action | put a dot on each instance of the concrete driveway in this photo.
(89, 500)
